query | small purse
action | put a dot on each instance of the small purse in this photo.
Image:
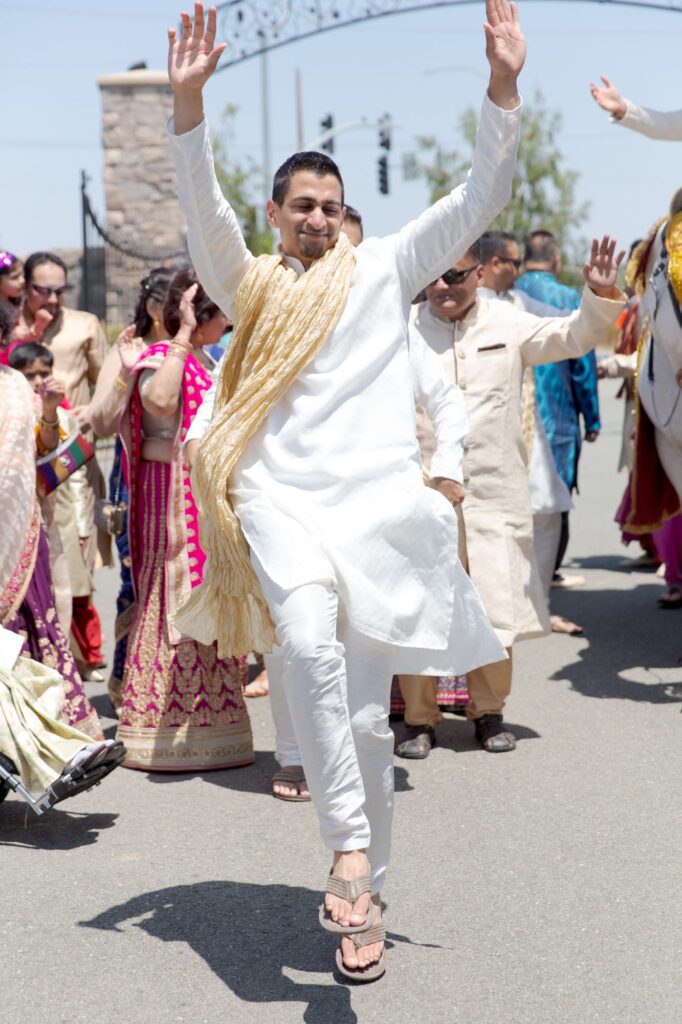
(57, 466)
(110, 516)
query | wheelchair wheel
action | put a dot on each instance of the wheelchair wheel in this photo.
(9, 766)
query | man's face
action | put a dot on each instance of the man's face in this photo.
(500, 272)
(310, 218)
(454, 293)
(46, 290)
(36, 373)
(353, 231)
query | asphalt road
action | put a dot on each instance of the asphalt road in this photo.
(534, 887)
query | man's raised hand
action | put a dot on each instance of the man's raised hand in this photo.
(608, 98)
(193, 57)
(505, 43)
(601, 270)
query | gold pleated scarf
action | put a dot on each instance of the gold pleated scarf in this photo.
(281, 322)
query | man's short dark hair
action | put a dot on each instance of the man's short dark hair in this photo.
(318, 163)
(541, 247)
(494, 243)
(26, 353)
(36, 259)
(354, 216)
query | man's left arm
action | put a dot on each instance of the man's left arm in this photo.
(551, 339)
(443, 233)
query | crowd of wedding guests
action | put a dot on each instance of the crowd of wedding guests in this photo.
(179, 706)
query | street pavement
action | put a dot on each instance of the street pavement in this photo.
(533, 887)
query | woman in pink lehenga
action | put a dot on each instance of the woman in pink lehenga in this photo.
(182, 706)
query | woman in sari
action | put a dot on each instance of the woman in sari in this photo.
(27, 601)
(103, 413)
(182, 707)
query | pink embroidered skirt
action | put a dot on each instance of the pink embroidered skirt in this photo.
(182, 707)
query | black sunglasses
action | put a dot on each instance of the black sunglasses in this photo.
(455, 276)
(508, 259)
(45, 290)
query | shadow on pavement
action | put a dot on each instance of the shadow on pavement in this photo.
(249, 935)
(610, 563)
(626, 633)
(56, 830)
(255, 778)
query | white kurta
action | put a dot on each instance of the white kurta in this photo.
(656, 124)
(331, 484)
(656, 384)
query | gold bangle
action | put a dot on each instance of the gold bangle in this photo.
(120, 384)
(184, 345)
(48, 423)
(179, 352)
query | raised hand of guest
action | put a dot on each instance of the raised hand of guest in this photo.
(608, 98)
(188, 320)
(192, 59)
(601, 270)
(52, 394)
(130, 348)
(505, 48)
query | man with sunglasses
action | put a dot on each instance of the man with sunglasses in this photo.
(485, 346)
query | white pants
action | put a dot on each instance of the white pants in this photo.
(330, 691)
(546, 533)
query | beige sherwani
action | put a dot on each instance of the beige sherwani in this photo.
(486, 355)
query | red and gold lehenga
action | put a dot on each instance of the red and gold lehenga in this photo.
(182, 707)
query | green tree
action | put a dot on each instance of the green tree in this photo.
(242, 184)
(544, 190)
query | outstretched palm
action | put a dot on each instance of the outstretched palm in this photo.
(608, 97)
(601, 270)
(505, 43)
(193, 57)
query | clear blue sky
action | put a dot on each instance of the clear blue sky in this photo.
(423, 69)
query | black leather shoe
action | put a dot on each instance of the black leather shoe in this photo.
(417, 743)
(492, 735)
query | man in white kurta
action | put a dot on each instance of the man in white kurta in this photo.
(485, 346)
(351, 550)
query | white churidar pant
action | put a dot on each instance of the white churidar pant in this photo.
(330, 687)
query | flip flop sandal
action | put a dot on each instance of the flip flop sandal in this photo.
(349, 890)
(669, 600)
(374, 971)
(290, 779)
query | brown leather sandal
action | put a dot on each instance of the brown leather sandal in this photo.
(349, 889)
(373, 971)
(294, 779)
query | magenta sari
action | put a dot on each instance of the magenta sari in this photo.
(182, 707)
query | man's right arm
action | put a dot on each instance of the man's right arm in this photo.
(656, 124)
(214, 236)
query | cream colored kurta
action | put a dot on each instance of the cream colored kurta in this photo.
(656, 124)
(487, 355)
(79, 345)
(330, 487)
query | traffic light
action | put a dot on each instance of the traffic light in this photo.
(385, 132)
(383, 175)
(326, 125)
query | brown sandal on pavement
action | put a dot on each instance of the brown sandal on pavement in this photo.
(492, 735)
(373, 971)
(562, 625)
(295, 779)
(349, 889)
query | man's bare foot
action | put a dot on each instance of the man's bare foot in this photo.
(349, 865)
(258, 687)
(296, 789)
(365, 956)
(562, 625)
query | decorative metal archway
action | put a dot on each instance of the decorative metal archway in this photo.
(254, 27)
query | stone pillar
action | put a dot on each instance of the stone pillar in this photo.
(142, 210)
